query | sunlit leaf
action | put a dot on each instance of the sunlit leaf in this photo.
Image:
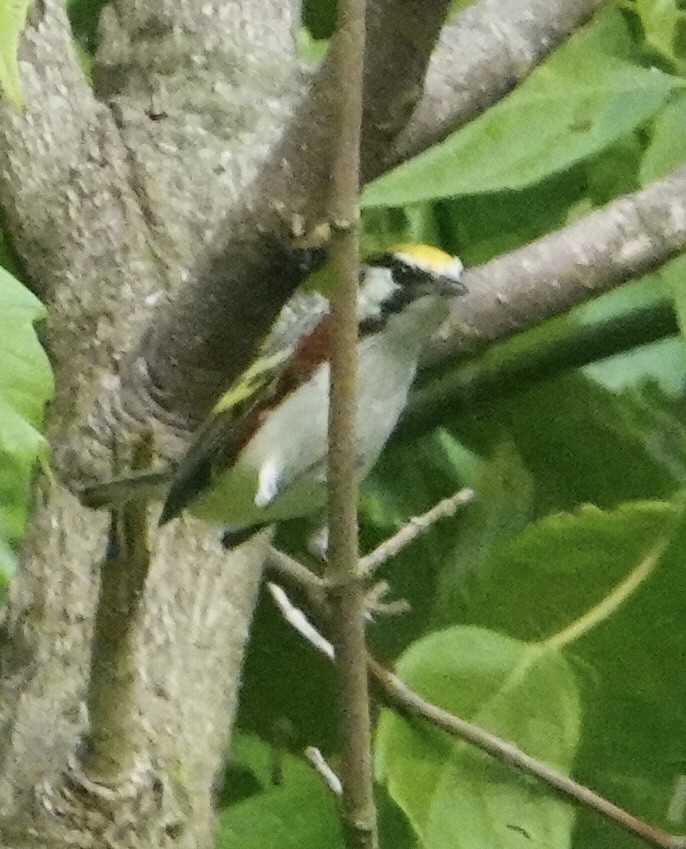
(12, 19)
(25, 386)
(578, 103)
(454, 795)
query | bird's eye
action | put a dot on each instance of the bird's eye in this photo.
(406, 275)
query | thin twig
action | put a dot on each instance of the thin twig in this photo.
(317, 761)
(414, 528)
(294, 575)
(293, 570)
(408, 701)
(346, 596)
(298, 620)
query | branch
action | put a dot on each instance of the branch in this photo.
(318, 763)
(297, 619)
(185, 82)
(114, 738)
(347, 600)
(415, 527)
(506, 369)
(630, 236)
(410, 702)
(482, 54)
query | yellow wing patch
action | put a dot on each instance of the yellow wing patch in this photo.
(250, 382)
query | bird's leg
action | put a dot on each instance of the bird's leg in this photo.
(232, 537)
(318, 542)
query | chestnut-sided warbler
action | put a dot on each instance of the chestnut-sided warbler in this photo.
(261, 456)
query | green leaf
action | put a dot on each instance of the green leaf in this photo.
(674, 274)
(635, 693)
(15, 476)
(25, 386)
(311, 50)
(667, 148)
(8, 566)
(16, 302)
(83, 17)
(578, 103)
(667, 151)
(580, 442)
(17, 436)
(664, 25)
(664, 360)
(608, 585)
(564, 564)
(454, 795)
(503, 507)
(298, 811)
(319, 16)
(12, 19)
(25, 376)
(483, 226)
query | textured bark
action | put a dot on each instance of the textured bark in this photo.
(104, 235)
(155, 216)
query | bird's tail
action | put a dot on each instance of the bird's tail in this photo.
(150, 484)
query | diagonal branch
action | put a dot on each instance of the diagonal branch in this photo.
(250, 271)
(626, 238)
(482, 54)
(398, 694)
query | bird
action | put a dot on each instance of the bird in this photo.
(261, 455)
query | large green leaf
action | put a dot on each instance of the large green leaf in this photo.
(454, 795)
(578, 103)
(502, 509)
(25, 375)
(565, 563)
(579, 442)
(586, 584)
(12, 19)
(608, 588)
(667, 148)
(25, 386)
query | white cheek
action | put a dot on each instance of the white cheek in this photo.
(377, 288)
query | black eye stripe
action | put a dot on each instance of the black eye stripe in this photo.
(403, 274)
(408, 279)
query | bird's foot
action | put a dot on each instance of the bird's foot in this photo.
(232, 537)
